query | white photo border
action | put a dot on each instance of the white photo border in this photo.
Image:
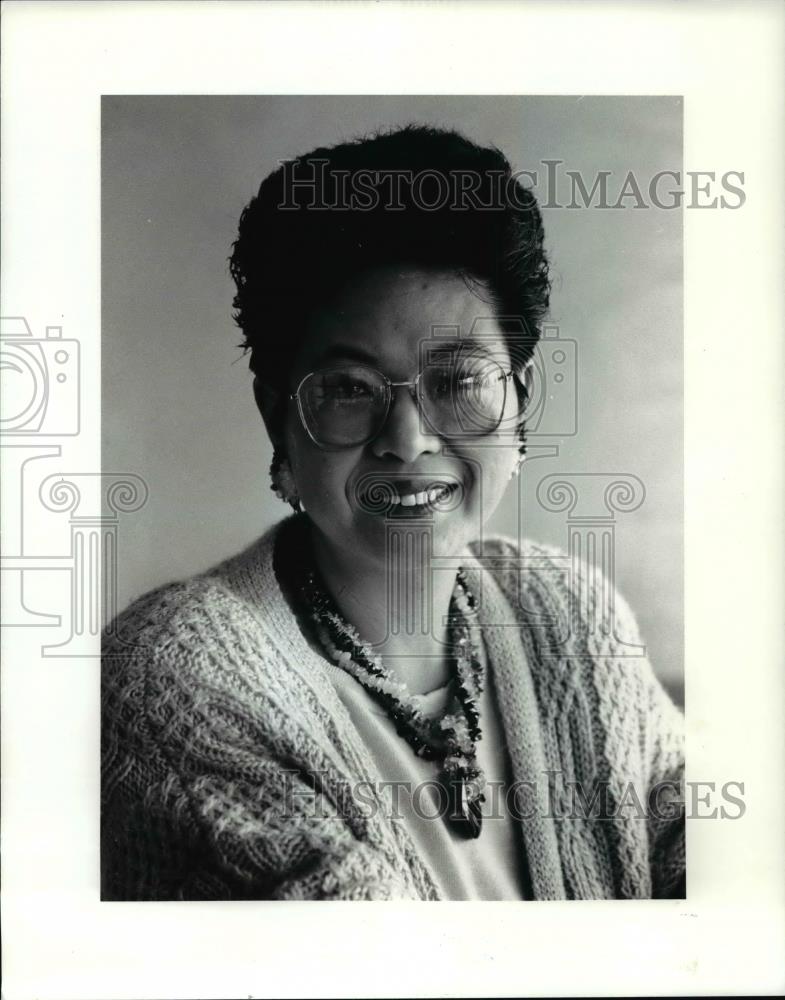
(725, 59)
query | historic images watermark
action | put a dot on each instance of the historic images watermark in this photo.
(310, 185)
(553, 798)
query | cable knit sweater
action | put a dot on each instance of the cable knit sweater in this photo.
(229, 763)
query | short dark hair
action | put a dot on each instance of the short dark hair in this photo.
(319, 220)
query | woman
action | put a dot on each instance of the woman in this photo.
(375, 701)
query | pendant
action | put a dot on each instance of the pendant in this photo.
(465, 813)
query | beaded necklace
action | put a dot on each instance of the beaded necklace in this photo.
(451, 740)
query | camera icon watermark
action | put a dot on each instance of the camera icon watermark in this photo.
(40, 381)
(552, 409)
(498, 377)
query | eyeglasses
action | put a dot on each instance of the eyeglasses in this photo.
(347, 405)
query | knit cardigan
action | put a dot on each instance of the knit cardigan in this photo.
(229, 763)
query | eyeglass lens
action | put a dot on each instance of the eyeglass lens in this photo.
(347, 405)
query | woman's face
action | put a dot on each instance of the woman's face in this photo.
(386, 318)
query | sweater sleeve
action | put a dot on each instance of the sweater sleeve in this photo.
(662, 751)
(666, 819)
(202, 797)
(150, 840)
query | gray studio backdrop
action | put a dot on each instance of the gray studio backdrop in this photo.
(177, 407)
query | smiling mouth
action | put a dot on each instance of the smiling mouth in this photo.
(400, 500)
(425, 498)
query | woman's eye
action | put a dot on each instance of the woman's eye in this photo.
(465, 381)
(444, 383)
(348, 390)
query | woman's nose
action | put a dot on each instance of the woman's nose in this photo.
(405, 435)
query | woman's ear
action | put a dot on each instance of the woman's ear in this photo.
(271, 405)
(527, 380)
(524, 385)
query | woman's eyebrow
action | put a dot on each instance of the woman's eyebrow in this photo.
(431, 345)
(350, 352)
(461, 344)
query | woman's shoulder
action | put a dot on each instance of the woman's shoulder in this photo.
(579, 632)
(577, 627)
(526, 566)
(562, 584)
(199, 611)
(181, 650)
(504, 551)
(160, 616)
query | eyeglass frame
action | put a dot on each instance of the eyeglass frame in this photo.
(412, 385)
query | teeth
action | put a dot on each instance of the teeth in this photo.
(422, 498)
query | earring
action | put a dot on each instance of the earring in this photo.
(282, 480)
(517, 467)
(521, 455)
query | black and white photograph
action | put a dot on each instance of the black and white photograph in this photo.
(392, 403)
(424, 679)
